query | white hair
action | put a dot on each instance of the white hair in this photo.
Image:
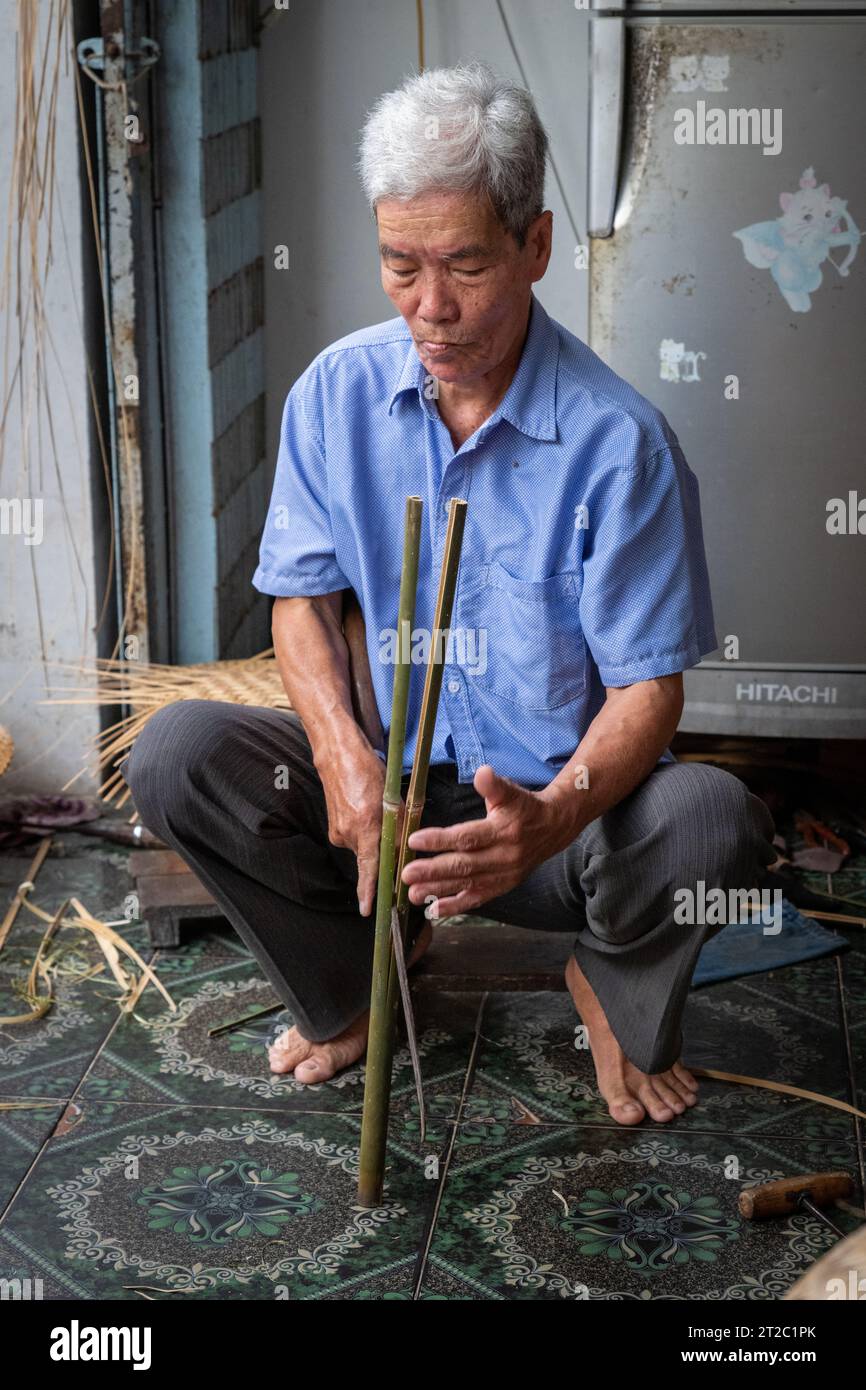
(460, 129)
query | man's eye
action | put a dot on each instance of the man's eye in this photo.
(471, 273)
(401, 273)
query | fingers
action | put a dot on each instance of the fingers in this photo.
(419, 893)
(459, 902)
(456, 896)
(496, 790)
(466, 835)
(449, 872)
(473, 834)
(368, 871)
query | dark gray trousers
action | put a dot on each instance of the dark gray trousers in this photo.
(234, 790)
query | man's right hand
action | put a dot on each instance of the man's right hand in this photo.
(353, 784)
(317, 670)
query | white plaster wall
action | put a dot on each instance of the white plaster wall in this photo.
(47, 588)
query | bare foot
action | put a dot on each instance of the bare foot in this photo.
(629, 1093)
(314, 1062)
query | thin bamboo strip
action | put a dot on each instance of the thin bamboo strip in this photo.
(28, 1104)
(111, 943)
(780, 1086)
(41, 1003)
(23, 889)
(255, 1014)
(833, 917)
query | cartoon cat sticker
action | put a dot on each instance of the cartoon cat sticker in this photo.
(795, 245)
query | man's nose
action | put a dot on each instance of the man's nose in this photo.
(437, 304)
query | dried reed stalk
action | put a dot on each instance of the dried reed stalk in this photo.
(112, 945)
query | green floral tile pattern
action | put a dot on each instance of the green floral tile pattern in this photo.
(649, 1225)
(214, 1204)
(92, 871)
(578, 1213)
(530, 1055)
(22, 1134)
(49, 1057)
(211, 1200)
(162, 1055)
(200, 945)
(182, 1164)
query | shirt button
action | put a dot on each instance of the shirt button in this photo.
(454, 687)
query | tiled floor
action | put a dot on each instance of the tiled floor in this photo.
(174, 1163)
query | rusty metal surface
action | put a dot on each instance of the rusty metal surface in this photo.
(119, 102)
(650, 48)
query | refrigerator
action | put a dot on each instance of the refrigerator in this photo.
(726, 197)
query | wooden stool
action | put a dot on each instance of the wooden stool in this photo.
(168, 893)
(465, 955)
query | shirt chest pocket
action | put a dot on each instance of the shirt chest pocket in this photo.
(528, 640)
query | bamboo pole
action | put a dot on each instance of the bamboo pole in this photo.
(373, 1156)
(380, 1044)
(417, 791)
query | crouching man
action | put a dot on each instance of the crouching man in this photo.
(553, 801)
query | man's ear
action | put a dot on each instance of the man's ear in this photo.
(540, 238)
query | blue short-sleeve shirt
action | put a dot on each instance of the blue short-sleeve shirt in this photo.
(582, 564)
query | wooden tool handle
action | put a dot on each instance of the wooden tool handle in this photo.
(780, 1198)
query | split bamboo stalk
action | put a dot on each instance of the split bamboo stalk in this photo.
(417, 792)
(380, 1044)
(373, 1157)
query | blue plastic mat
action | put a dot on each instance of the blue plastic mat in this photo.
(743, 948)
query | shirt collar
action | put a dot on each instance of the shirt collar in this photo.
(529, 404)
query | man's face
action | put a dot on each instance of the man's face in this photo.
(459, 279)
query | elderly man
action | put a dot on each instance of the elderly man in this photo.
(553, 801)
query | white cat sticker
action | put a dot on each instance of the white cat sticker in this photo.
(691, 72)
(794, 246)
(678, 364)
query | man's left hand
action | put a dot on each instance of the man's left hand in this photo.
(477, 860)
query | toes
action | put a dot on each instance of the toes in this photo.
(287, 1051)
(282, 1062)
(626, 1109)
(324, 1062)
(668, 1095)
(656, 1107)
(679, 1087)
(311, 1070)
(684, 1075)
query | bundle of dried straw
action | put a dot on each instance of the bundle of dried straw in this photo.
(146, 688)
